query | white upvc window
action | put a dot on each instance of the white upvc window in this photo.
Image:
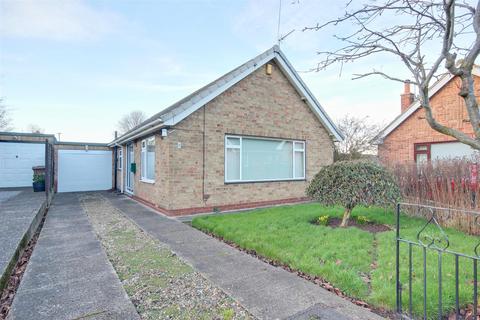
(251, 159)
(119, 158)
(148, 160)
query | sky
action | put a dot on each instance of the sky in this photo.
(75, 66)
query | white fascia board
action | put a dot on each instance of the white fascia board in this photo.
(310, 99)
(140, 134)
(135, 133)
(176, 118)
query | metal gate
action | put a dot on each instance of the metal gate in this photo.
(430, 244)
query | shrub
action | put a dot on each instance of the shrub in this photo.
(354, 183)
(38, 178)
(363, 220)
(323, 220)
(442, 182)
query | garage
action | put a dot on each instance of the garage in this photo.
(84, 170)
(16, 162)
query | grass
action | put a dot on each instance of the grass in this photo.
(360, 263)
(160, 285)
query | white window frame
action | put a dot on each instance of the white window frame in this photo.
(120, 158)
(143, 160)
(294, 142)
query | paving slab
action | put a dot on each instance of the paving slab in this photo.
(69, 275)
(5, 195)
(20, 214)
(266, 291)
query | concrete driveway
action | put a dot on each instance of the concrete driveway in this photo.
(69, 275)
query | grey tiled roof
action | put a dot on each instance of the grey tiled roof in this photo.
(206, 90)
(184, 107)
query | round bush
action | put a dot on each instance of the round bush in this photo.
(350, 184)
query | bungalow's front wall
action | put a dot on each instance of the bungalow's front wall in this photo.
(157, 192)
(190, 165)
(448, 108)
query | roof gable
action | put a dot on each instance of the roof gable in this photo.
(434, 89)
(186, 106)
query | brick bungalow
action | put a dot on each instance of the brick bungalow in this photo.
(254, 137)
(410, 138)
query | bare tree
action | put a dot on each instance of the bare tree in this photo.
(131, 120)
(424, 35)
(5, 120)
(359, 133)
(35, 128)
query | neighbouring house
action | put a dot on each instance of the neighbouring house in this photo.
(254, 137)
(77, 166)
(410, 138)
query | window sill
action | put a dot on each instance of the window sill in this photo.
(147, 181)
(265, 181)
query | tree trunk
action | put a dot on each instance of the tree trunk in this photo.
(346, 217)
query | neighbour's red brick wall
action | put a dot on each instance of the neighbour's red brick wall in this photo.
(448, 108)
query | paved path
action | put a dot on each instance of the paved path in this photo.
(69, 275)
(20, 214)
(266, 291)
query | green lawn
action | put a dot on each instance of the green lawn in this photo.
(358, 262)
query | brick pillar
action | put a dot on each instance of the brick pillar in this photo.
(406, 98)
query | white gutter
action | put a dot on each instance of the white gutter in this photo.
(132, 134)
(142, 133)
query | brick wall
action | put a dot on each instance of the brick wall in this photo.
(26, 138)
(259, 105)
(156, 192)
(448, 108)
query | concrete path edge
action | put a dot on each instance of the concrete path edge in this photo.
(32, 229)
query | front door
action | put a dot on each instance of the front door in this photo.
(130, 175)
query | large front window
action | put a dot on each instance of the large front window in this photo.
(261, 159)
(148, 159)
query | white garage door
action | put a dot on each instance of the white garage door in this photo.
(16, 162)
(81, 170)
(450, 150)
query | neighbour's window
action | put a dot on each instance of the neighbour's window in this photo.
(421, 154)
(119, 158)
(148, 159)
(261, 159)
